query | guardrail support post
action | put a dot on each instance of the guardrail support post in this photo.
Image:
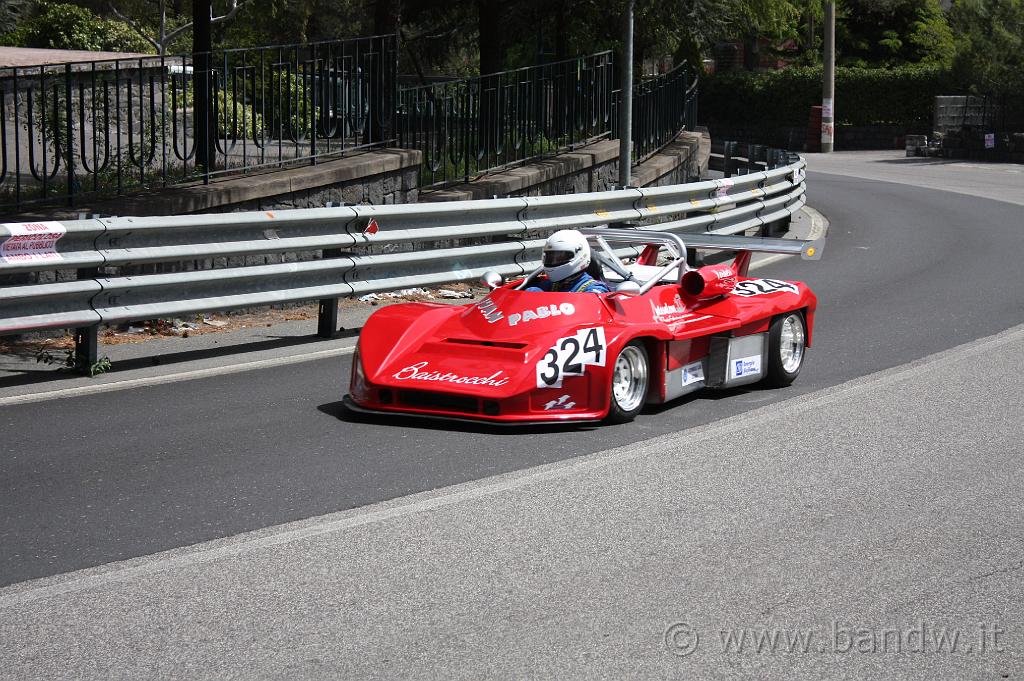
(327, 313)
(727, 151)
(753, 154)
(327, 318)
(87, 338)
(87, 341)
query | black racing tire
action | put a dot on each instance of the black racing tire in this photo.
(787, 349)
(631, 379)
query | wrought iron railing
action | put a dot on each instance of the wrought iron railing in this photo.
(77, 131)
(468, 127)
(663, 106)
(101, 128)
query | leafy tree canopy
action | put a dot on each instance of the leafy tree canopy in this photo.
(892, 32)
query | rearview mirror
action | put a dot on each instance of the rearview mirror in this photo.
(491, 280)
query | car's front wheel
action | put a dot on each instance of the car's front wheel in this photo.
(630, 380)
(787, 344)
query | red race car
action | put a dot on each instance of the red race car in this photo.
(663, 330)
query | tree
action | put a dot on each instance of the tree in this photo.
(892, 32)
(990, 50)
(165, 36)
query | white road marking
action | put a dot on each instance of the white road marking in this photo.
(174, 378)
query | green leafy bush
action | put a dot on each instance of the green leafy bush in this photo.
(864, 96)
(69, 27)
(288, 101)
(237, 119)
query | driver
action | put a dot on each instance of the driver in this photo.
(566, 258)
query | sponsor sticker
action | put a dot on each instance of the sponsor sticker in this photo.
(746, 366)
(563, 402)
(552, 310)
(570, 356)
(761, 287)
(724, 185)
(421, 372)
(32, 242)
(669, 313)
(693, 373)
(489, 309)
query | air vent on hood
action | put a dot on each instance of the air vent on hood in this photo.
(486, 343)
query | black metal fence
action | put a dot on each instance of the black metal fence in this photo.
(468, 127)
(74, 132)
(102, 128)
(662, 107)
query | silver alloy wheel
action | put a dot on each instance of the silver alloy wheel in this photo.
(629, 384)
(791, 343)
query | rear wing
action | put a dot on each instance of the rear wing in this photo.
(807, 250)
(652, 240)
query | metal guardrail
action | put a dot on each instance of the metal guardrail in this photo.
(353, 241)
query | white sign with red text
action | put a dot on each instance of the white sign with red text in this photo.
(31, 241)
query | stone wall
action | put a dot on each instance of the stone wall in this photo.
(684, 160)
(593, 168)
(378, 177)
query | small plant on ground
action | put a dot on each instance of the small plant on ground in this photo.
(67, 361)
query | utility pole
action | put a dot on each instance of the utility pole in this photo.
(828, 86)
(202, 14)
(626, 100)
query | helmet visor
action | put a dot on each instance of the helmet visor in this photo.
(556, 258)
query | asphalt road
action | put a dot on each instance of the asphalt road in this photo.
(90, 480)
(866, 531)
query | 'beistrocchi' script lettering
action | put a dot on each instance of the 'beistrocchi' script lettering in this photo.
(418, 372)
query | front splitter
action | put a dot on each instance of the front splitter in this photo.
(351, 405)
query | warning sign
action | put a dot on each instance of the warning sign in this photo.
(31, 241)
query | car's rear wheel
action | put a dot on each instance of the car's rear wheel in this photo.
(787, 344)
(630, 380)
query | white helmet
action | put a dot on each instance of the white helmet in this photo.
(565, 254)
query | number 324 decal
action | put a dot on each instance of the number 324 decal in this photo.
(569, 356)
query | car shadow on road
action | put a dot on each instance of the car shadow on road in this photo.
(339, 411)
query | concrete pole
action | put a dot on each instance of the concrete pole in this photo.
(828, 87)
(626, 101)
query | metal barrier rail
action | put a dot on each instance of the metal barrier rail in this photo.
(342, 234)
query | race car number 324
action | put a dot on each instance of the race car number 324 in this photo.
(570, 356)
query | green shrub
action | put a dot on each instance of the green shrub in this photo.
(864, 96)
(288, 102)
(69, 27)
(237, 119)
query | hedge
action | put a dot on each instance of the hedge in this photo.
(769, 100)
